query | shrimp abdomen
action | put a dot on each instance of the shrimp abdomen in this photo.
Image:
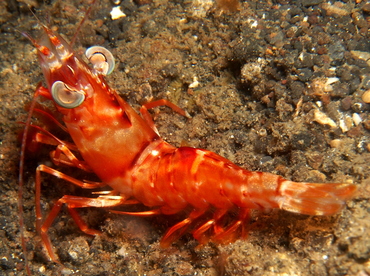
(202, 179)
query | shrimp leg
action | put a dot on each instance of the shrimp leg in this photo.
(63, 155)
(148, 118)
(231, 233)
(200, 233)
(71, 202)
(46, 169)
(179, 229)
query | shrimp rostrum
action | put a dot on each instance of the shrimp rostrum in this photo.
(126, 152)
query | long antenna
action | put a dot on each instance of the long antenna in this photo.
(24, 142)
(81, 23)
(21, 182)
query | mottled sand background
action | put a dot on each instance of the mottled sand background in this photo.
(277, 86)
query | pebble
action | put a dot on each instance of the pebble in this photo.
(304, 74)
(201, 7)
(366, 81)
(346, 103)
(359, 20)
(366, 96)
(338, 9)
(366, 124)
(366, 7)
(251, 72)
(143, 2)
(336, 51)
(362, 55)
(309, 3)
(355, 132)
(336, 143)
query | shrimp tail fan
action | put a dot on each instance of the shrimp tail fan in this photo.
(315, 198)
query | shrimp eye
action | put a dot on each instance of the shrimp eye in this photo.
(65, 96)
(101, 59)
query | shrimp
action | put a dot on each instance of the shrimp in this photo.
(126, 152)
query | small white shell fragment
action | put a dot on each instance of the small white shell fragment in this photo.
(321, 86)
(116, 13)
(366, 96)
(331, 80)
(343, 126)
(323, 119)
(253, 23)
(122, 251)
(67, 271)
(356, 119)
(345, 123)
(361, 143)
(300, 57)
(195, 83)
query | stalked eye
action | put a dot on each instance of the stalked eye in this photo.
(65, 96)
(101, 59)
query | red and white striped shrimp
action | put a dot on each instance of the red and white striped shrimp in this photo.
(126, 152)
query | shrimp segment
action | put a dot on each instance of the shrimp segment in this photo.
(126, 152)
